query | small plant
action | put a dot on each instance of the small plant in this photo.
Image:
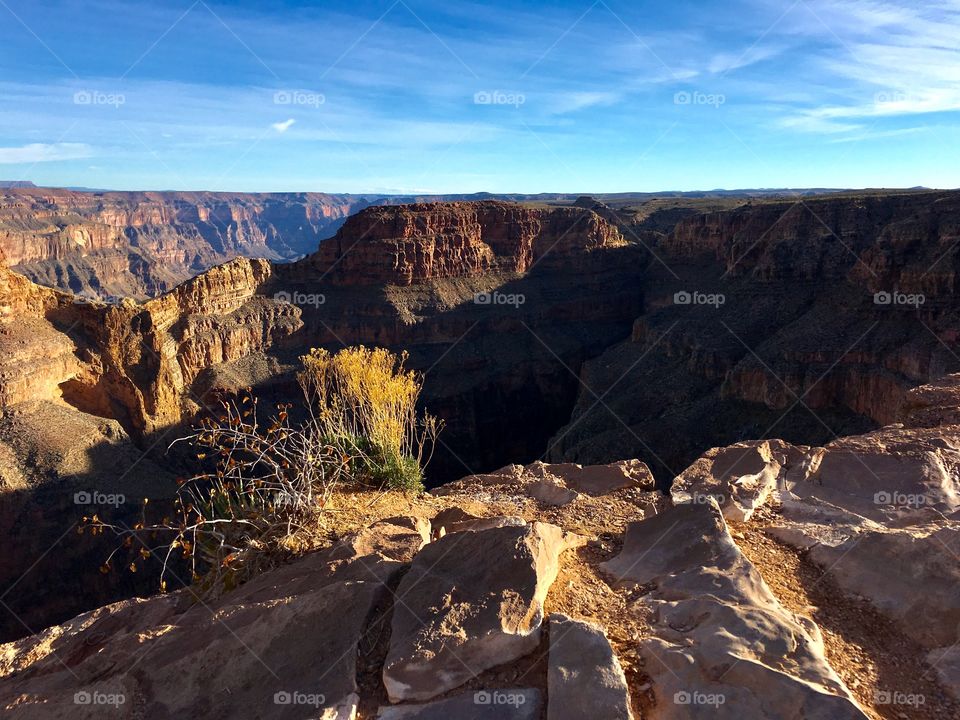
(365, 400)
(265, 483)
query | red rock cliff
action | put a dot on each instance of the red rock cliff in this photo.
(410, 244)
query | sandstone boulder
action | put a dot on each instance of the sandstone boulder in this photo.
(721, 645)
(740, 477)
(561, 483)
(596, 479)
(890, 475)
(551, 492)
(374, 554)
(911, 575)
(471, 601)
(455, 519)
(878, 512)
(584, 677)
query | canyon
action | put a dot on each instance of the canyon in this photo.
(575, 333)
(109, 245)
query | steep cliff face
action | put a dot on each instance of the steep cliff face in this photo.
(800, 320)
(881, 241)
(140, 245)
(35, 355)
(416, 243)
(142, 359)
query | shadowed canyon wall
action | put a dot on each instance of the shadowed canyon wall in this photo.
(800, 320)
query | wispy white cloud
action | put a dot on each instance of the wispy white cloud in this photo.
(889, 59)
(727, 62)
(877, 135)
(811, 122)
(44, 152)
(562, 103)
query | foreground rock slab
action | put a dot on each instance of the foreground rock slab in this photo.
(284, 646)
(721, 645)
(584, 677)
(471, 601)
(513, 704)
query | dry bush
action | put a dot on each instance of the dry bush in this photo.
(265, 484)
(364, 401)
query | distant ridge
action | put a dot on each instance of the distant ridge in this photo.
(11, 184)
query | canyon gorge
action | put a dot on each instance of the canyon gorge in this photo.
(796, 330)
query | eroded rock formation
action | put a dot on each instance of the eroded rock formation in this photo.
(413, 244)
(802, 319)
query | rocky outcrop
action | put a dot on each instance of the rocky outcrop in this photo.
(584, 676)
(560, 484)
(878, 513)
(135, 363)
(721, 645)
(279, 649)
(154, 366)
(302, 639)
(441, 613)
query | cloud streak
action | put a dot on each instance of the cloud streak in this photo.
(44, 152)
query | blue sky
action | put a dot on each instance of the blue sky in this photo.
(427, 96)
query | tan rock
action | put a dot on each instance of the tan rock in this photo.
(740, 477)
(374, 554)
(561, 483)
(596, 479)
(471, 600)
(584, 677)
(551, 492)
(721, 645)
(911, 575)
(455, 519)
(890, 474)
